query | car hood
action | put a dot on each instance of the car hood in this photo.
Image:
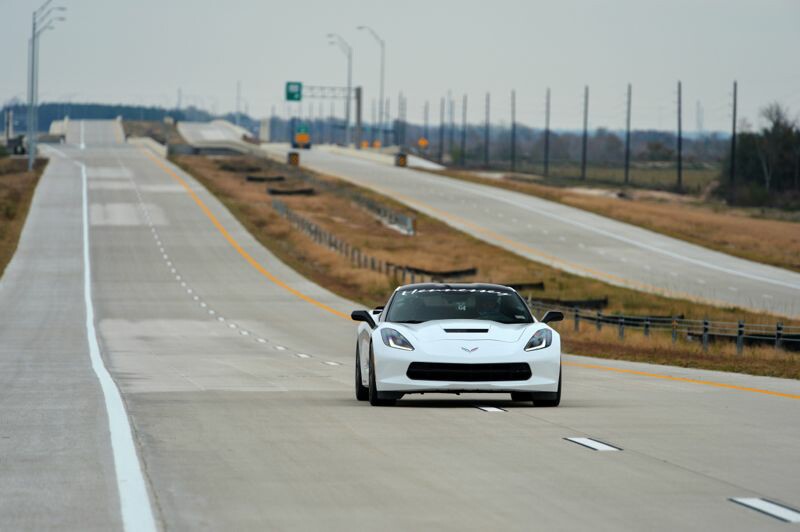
(464, 330)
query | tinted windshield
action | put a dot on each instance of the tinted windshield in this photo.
(425, 304)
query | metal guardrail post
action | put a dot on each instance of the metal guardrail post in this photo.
(778, 335)
(674, 331)
(705, 335)
(577, 319)
(739, 337)
(647, 327)
(621, 328)
(598, 321)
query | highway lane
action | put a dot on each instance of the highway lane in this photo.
(248, 423)
(572, 239)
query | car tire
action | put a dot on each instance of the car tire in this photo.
(362, 392)
(374, 396)
(550, 402)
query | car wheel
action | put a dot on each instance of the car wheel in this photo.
(362, 392)
(374, 396)
(551, 401)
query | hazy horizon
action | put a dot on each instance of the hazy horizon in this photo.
(145, 53)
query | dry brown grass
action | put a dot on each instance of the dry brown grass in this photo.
(16, 191)
(438, 246)
(774, 242)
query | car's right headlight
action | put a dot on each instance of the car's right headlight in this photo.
(541, 339)
(394, 339)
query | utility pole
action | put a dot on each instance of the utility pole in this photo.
(585, 130)
(238, 101)
(441, 131)
(513, 131)
(464, 130)
(358, 118)
(628, 138)
(733, 147)
(347, 50)
(680, 139)
(386, 121)
(39, 24)
(452, 110)
(382, 45)
(547, 134)
(486, 133)
(426, 131)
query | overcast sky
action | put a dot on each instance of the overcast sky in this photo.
(142, 51)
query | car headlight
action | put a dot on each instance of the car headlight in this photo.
(394, 339)
(541, 339)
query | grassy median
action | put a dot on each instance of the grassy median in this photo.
(439, 246)
(16, 191)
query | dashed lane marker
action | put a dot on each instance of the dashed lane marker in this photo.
(770, 508)
(593, 444)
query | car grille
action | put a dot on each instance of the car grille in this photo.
(436, 371)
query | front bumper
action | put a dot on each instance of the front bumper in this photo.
(392, 371)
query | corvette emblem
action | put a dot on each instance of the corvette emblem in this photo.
(468, 350)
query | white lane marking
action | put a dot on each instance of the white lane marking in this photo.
(232, 325)
(212, 312)
(203, 304)
(331, 363)
(772, 509)
(490, 409)
(220, 318)
(302, 355)
(593, 444)
(280, 348)
(196, 298)
(83, 144)
(137, 514)
(244, 333)
(261, 341)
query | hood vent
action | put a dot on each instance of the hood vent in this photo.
(466, 330)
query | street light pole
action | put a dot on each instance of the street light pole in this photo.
(382, 44)
(348, 51)
(39, 24)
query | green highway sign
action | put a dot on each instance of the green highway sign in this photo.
(294, 91)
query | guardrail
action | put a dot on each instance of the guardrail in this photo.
(402, 274)
(706, 331)
(397, 220)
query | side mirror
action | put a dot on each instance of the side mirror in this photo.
(552, 315)
(363, 315)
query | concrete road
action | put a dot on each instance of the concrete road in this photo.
(236, 376)
(572, 239)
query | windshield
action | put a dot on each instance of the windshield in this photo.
(424, 304)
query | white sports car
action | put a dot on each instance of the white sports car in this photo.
(454, 338)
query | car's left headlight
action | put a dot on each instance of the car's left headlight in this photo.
(541, 339)
(394, 339)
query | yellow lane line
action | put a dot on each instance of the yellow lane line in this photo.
(682, 379)
(232, 241)
(254, 263)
